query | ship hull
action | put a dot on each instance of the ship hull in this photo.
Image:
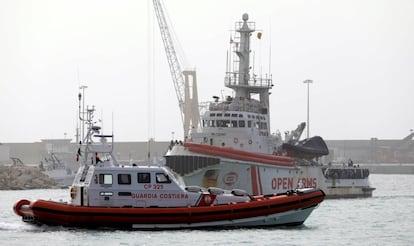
(257, 177)
(347, 191)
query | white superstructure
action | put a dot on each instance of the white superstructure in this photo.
(242, 122)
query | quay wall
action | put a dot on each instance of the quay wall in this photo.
(365, 152)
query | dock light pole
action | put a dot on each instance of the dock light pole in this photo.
(308, 81)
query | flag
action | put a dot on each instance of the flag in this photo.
(259, 35)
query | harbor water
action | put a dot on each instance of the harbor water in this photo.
(385, 219)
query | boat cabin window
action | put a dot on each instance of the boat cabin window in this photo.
(144, 178)
(162, 178)
(219, 115)
(124, 179)
(233, 115)
(105, 179)
(249, 124)
(241, 123)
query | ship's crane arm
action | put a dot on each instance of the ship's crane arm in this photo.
(173, 62)
(188, 104)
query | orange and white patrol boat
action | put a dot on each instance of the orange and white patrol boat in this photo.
(106, 194)
(235, 149)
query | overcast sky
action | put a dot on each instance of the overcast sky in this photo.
(359, 54)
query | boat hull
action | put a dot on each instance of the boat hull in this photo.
(273, 210)
(349, 192)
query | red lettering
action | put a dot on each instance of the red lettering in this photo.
(307, 183)
(314, 182)
(284, 183)
(279, 182)
(274, 183)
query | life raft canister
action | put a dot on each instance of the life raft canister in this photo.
(73, 191)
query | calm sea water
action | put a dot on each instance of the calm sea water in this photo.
(385, 219)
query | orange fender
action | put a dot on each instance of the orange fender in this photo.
(18, 206)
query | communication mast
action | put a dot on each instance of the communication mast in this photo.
(183, 80)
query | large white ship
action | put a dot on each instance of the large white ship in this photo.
(234, 147)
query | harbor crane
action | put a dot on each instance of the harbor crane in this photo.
(183, 79)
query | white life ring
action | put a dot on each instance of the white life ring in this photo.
(250, 141)
(236, 140)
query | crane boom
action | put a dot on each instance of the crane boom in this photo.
(188, 106)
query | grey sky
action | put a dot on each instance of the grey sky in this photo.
(360, 55)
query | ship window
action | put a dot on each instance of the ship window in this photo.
(241, 123)
(226, 115)
(234, 123)
(105, 179)
(240, 116)
(124, 179)
(144, 178)
(212, 114)
(223, 123)
(162, 178)
(248, 116)
(249, 123)
(233, 115)
(219, 115)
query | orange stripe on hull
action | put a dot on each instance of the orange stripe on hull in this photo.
(259, 180)
(253, 172)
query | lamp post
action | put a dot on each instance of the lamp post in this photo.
(308, 81)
